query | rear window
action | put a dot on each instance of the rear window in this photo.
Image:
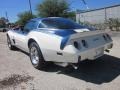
(60, 23)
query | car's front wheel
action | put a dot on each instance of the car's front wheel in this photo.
(36, 56)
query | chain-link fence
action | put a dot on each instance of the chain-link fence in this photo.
(107, 17)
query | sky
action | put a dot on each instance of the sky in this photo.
(13, 7)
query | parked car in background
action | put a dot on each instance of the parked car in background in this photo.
(58, 40)
(3, 29)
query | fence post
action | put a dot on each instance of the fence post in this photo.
(105, 15)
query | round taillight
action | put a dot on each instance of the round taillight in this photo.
(108, 36)
(76, 44)
(84, 43)
(105, 38)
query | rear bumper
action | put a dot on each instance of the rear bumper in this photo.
(95, 53)
(90, 54)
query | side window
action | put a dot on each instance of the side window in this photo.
(30, 25)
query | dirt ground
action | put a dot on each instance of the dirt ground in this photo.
(17, 72)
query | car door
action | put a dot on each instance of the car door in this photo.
(21, 37)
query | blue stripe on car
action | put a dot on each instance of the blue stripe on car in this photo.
(64, 42)
(65, 34)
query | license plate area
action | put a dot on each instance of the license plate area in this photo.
(99, 52)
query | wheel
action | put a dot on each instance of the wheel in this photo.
(11, 47)
(4, 30)
(36, 56)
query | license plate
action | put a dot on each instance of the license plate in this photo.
(99, 52)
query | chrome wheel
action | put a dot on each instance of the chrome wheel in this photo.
(34, 55)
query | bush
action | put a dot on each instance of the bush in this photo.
(24, 17)
(113, 24)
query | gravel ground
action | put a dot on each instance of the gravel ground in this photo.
(17, 73)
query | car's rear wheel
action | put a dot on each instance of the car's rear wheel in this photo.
(36, 56)
(11, 47)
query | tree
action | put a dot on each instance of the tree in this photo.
(53, 8)
(71, 15)
(2, 22)
(113, 23)
(4, 19)
(24, 17)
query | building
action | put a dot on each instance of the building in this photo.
(98, 16)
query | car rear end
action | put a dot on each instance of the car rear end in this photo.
(87, 45)
(77, 42)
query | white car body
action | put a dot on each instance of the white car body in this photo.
(92, 44)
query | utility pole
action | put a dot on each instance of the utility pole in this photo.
(30, 6)
(105, 15)
(6, 15)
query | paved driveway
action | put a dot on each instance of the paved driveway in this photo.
(17, 73)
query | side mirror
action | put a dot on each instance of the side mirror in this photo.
(22, 28)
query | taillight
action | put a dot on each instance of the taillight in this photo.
(108, 36)
(105, 38)
(84, 43)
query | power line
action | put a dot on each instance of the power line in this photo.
(85, 4)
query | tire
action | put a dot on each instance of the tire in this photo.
(10, 46)
(4, 30)
(36, 56)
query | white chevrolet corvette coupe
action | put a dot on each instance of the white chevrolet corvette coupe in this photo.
(59, 40)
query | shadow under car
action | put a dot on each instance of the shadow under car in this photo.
(102, 70)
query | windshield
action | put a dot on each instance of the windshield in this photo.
(60, 23)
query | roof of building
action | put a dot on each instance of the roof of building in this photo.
(39, 19)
